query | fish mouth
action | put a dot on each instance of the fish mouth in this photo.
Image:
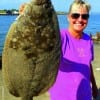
(41, 2)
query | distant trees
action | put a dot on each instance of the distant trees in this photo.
(2, 11)
(9, 12)
(6, 11)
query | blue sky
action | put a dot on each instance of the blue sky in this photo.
(59, 5)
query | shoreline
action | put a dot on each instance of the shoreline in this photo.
(8, 14)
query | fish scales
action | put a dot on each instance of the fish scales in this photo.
(31, 53)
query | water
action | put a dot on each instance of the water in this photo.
(5, 22)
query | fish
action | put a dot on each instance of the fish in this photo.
(31, 53)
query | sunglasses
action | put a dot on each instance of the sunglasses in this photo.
(83, 16)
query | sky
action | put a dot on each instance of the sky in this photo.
(59, 5)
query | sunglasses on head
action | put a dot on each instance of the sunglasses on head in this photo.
(77, 15)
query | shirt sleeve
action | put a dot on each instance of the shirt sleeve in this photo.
(63, 40)
(92, 50)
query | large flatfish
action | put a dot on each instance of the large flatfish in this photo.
(31, 51)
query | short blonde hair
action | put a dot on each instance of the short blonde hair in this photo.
(80, 3)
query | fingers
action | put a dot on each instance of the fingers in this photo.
(21, 8)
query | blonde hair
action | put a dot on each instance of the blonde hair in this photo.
(80, 3)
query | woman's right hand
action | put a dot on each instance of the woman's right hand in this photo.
(21, 8)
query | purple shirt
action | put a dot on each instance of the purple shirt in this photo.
(73, 79)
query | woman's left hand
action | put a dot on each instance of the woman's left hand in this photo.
(96, 95)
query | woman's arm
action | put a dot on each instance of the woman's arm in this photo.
(93, 82)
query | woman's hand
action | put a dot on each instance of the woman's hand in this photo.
(97, 97)
(21, 8)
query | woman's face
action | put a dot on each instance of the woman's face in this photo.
(78, 18)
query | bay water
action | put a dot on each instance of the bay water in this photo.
(6, 20)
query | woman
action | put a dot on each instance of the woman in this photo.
(75, 70)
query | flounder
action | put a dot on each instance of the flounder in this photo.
(31, 53)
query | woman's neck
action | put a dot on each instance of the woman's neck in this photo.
(76, 34)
